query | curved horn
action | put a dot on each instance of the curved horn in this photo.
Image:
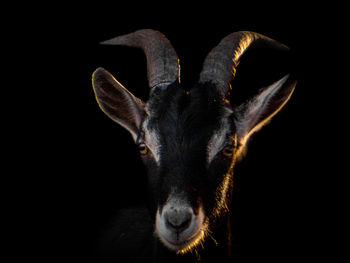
(162, 61)
(219, 66)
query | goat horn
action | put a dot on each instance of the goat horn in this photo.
(220, 64)
(162, 61)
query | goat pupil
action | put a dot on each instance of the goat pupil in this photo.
(228, 151)
(142, 148)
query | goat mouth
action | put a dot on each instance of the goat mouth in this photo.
(182, 247)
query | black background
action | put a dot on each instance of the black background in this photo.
(88, 166)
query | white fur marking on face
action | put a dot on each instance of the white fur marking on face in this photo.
(152, 140)
(218, 139)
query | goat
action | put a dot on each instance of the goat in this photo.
(189, 141)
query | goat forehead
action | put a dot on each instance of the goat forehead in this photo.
(185, 127)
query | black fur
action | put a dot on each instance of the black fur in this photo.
(185, 123)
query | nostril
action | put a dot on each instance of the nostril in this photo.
(178, 220)
(185, 223)
(178, 224)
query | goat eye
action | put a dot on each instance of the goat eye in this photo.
(143, 148)
(228, 151)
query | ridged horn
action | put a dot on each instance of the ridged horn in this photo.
(220, 64)
(162, 61)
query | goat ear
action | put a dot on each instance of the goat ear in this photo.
(252, 115)
(117, 102)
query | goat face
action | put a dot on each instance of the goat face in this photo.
(191, 143)
(189, 140)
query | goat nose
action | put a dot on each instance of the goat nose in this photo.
(178, 219)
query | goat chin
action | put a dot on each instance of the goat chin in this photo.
(186, 246)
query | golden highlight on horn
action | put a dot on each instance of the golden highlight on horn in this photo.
(243, 44)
